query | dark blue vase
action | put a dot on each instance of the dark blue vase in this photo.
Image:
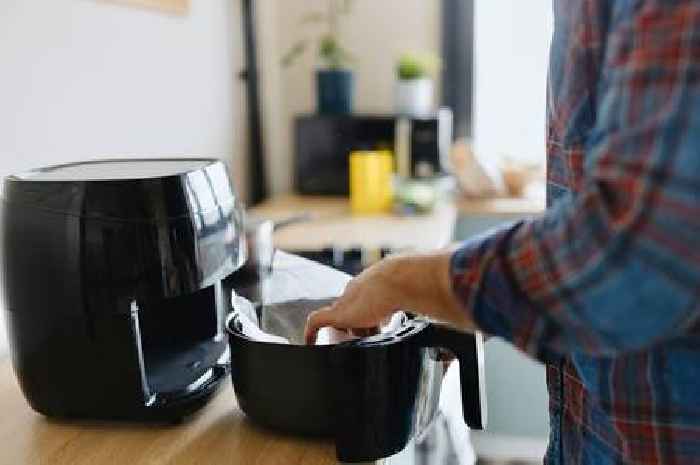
(335, 90)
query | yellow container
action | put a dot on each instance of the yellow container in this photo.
(371, 190)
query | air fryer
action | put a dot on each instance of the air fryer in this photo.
(113, 285)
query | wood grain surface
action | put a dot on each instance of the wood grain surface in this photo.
(220, 434)
(332, 225)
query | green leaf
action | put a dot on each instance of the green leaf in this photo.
(332, 53)
(417, 65)
(294, 52)
(329, 48)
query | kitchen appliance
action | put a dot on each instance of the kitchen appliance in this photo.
(323, 144)
(114, 278)
(371, 395)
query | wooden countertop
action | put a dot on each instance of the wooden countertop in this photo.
(332, 224)
(218, 434)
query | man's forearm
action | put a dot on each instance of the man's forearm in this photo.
(426, 283)
(415, 283)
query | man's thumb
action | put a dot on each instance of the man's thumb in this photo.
(317, 320)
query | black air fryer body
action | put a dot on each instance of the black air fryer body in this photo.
(113, 285)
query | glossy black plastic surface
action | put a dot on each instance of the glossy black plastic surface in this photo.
(113, 275)
(371, 395)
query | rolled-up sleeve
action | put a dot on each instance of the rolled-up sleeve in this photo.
(617, 266)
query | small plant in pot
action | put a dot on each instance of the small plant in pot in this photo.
(335, 82)
(414, 86)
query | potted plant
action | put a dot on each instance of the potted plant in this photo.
(335, 82)
(414, 85)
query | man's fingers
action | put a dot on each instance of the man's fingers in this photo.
(317, 320)
(364, 332)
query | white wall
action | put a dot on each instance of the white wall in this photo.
(377, 32)
(511, 54)
(85, 78)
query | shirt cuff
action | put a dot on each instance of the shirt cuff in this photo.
(484, 282)
(469, 267)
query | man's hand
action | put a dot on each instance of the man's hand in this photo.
(416, 283)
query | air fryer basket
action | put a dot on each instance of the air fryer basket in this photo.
(372, 395)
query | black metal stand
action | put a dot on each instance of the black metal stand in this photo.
(457, 54)
(256, 161)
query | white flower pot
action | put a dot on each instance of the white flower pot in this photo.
(414, 97)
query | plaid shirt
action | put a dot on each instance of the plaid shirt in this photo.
(604, 286)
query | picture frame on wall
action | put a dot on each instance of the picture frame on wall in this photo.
(175, 7)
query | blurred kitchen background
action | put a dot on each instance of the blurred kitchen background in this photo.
(84, 79)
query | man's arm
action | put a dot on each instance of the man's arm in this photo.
(617, 267)
(419, 283)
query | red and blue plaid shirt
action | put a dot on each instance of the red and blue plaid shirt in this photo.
(604, 287)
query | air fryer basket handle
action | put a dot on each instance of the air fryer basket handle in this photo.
(469, 351)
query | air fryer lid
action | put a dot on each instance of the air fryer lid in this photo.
(122, 189)
(110, 170)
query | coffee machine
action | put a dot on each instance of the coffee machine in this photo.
(115, 273)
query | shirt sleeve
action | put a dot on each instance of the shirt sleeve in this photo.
(617, 266)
